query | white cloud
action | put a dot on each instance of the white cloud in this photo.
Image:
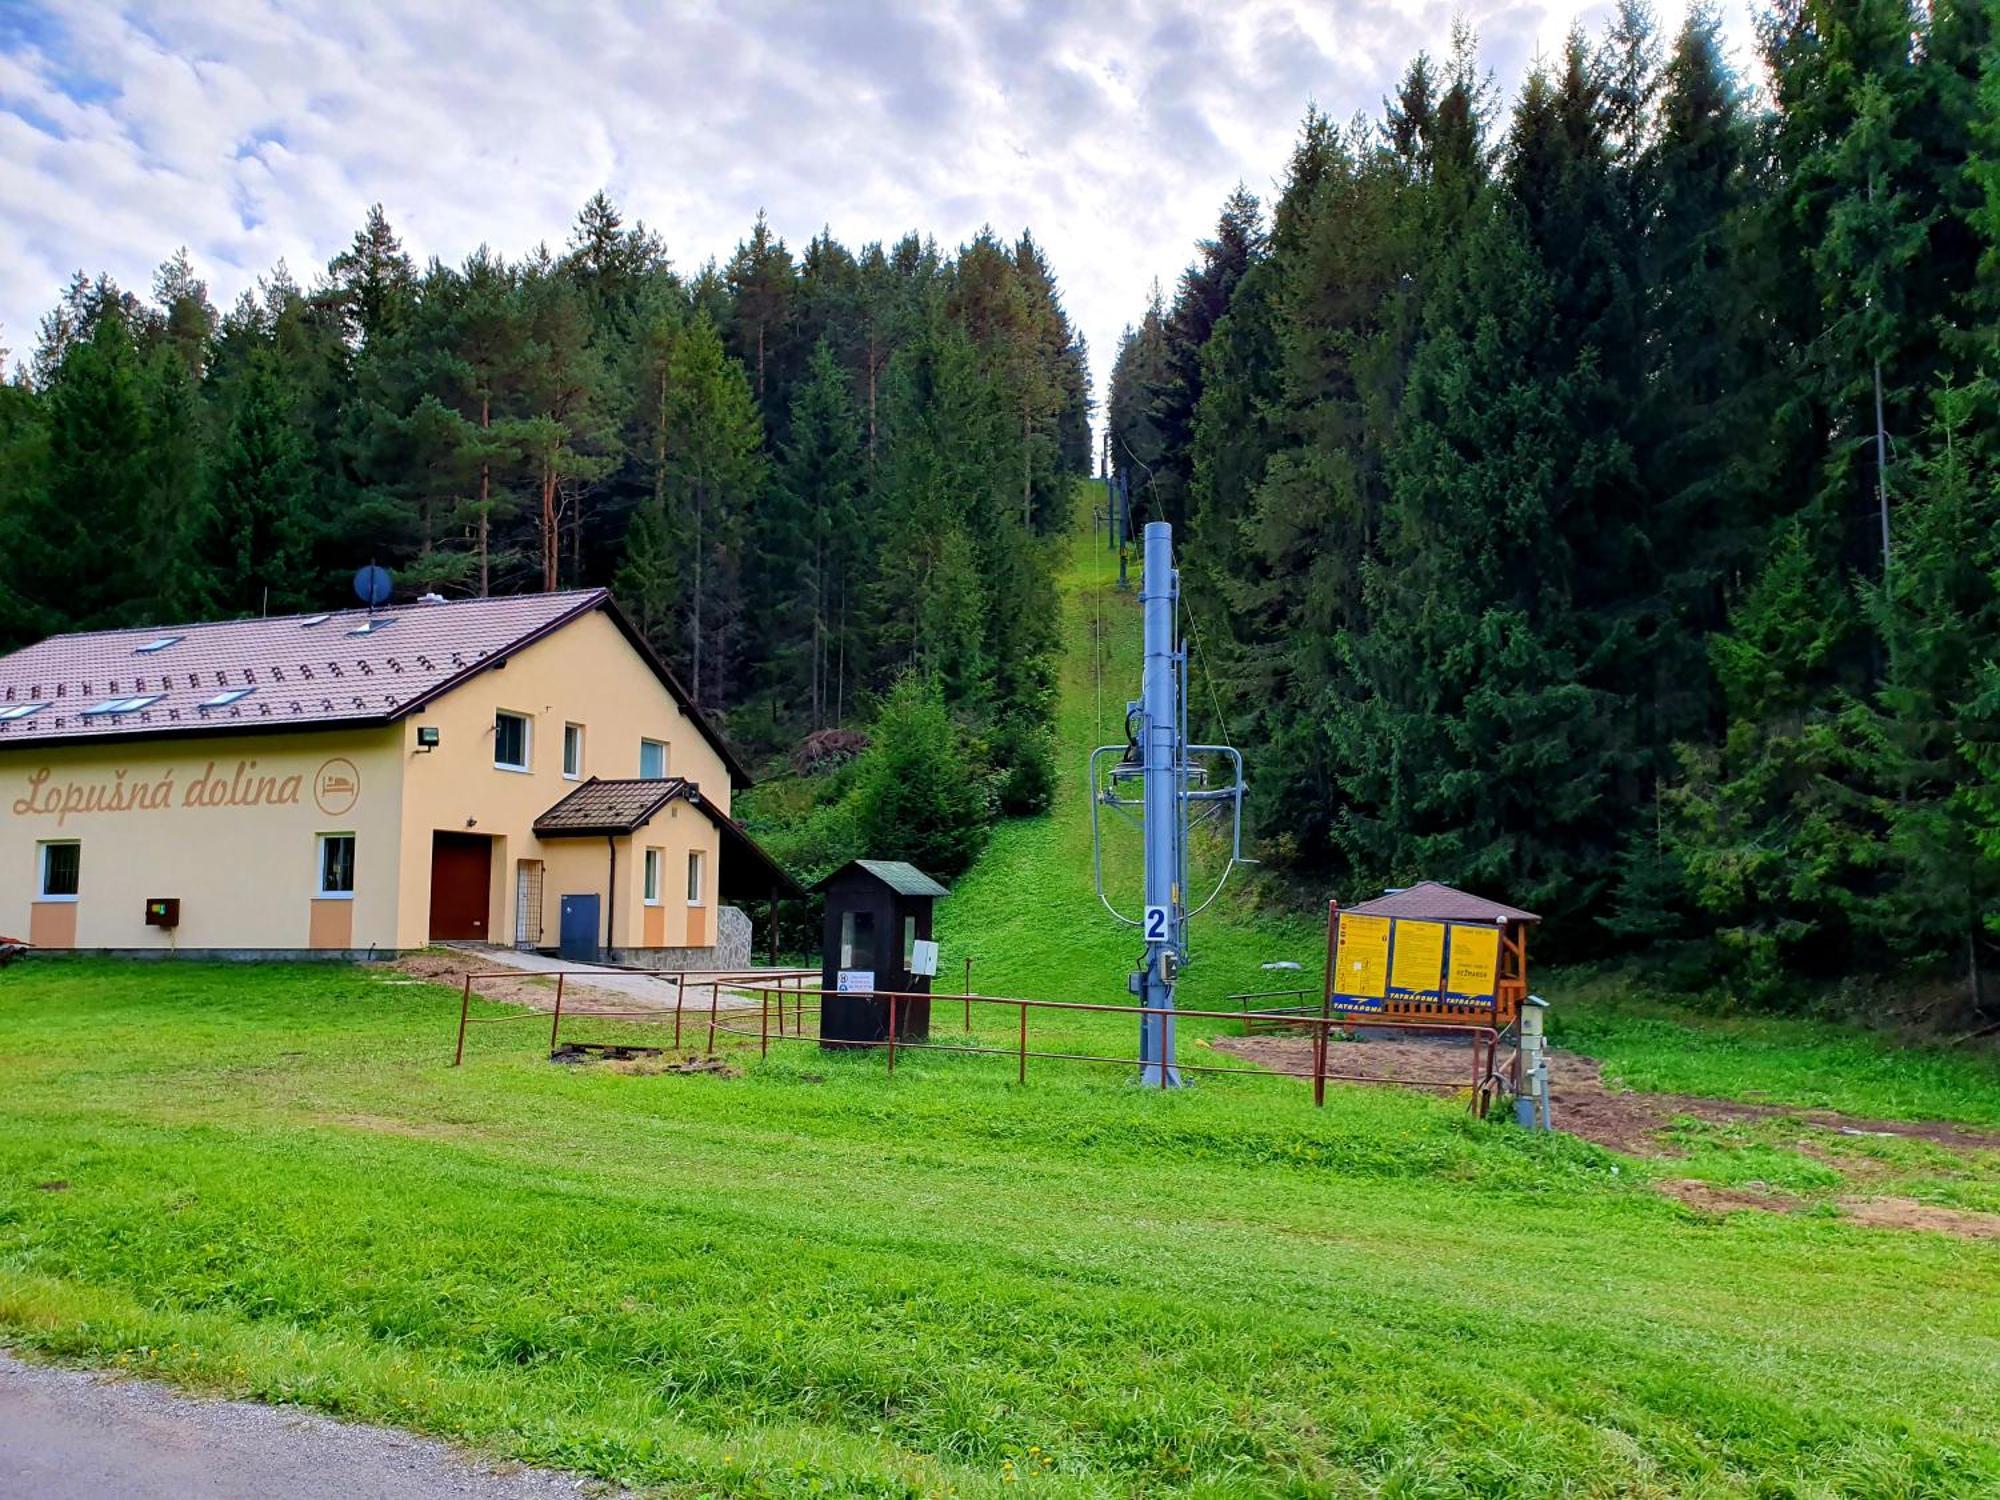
(253, 129)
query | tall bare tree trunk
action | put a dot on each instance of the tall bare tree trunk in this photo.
(1027, 468)
(485, 502)
(874, 360)
(550, 543)
(700, 507)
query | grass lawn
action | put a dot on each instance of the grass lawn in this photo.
(812, 1278)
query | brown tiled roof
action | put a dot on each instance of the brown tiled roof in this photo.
(304, 671)
(1431, 901)
(599, 807)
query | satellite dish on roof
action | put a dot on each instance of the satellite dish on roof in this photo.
(371, 585)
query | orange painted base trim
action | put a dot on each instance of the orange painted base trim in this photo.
(52, 924)
(656, 927)
(332, 925)
(697, 927)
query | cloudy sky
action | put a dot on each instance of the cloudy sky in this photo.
(249, 130)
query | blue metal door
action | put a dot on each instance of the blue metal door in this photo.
(577, 938)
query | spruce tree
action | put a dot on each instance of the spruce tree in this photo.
(259, 538)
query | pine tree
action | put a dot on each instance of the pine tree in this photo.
(805, 549)
(77, 566)
(259, 539)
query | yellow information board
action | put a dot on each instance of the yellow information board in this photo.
(1361, 961)
(1416, 963)
(1475, 964)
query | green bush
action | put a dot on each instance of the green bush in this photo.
(918, 792)
(1024, 768)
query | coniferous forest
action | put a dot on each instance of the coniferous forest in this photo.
(805, 478)
(1597, 492)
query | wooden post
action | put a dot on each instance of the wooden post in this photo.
(464, 1007)
(555, 1024)
(1319, 1066)
(764, 1026)
(968, 992)
(680, 1000)
(714, 999)
(1024, 1043)
(892, 1033)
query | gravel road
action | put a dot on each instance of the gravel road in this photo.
(70, 1435)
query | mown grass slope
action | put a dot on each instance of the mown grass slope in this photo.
(1028, 914)
(813, 1278)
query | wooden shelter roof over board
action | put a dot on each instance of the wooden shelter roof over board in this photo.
(1433, 901)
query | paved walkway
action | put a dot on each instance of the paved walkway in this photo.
(69, 1435)
(645, 991)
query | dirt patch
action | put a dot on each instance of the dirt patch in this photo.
(1444, 1064)
(1581, 1101)
(694, 1062)
(1908, 1213)
(1712, 1198)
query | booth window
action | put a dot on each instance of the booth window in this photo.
(573, 751)
(510, 741)
(652, 760)
(909, 942)
(652, 877)
(336, 864)
(695, 861)
(857, 940)
(62, 870)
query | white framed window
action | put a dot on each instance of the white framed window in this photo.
(510, 741)
(21, 710)
(336, 866)
(652, 760)
(60, 868)
(697, 870)
(573, 751)
(652, 877)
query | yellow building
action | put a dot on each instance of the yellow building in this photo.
(520, 771)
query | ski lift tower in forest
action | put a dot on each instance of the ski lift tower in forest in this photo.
(1157, 755)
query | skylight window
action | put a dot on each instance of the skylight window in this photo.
(159, 644)
(223, 700)
(122, 705)
(370, 627)
(311, 620)
(20, 710)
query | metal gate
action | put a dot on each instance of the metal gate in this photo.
(528, 904)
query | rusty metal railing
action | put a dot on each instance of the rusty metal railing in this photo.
(782, 998)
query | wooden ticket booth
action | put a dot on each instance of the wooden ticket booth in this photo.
(1428, 952)
(877, 940)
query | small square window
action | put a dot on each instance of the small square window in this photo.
(336, 864)
(697, 859)
(223, 700)
(652, 877)
(510, 741)
(573, 751)
(652, 760)
(62, 870)
(373, 626)
(153, 646)
(20, 710)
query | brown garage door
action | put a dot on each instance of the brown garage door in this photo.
(461, 884)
